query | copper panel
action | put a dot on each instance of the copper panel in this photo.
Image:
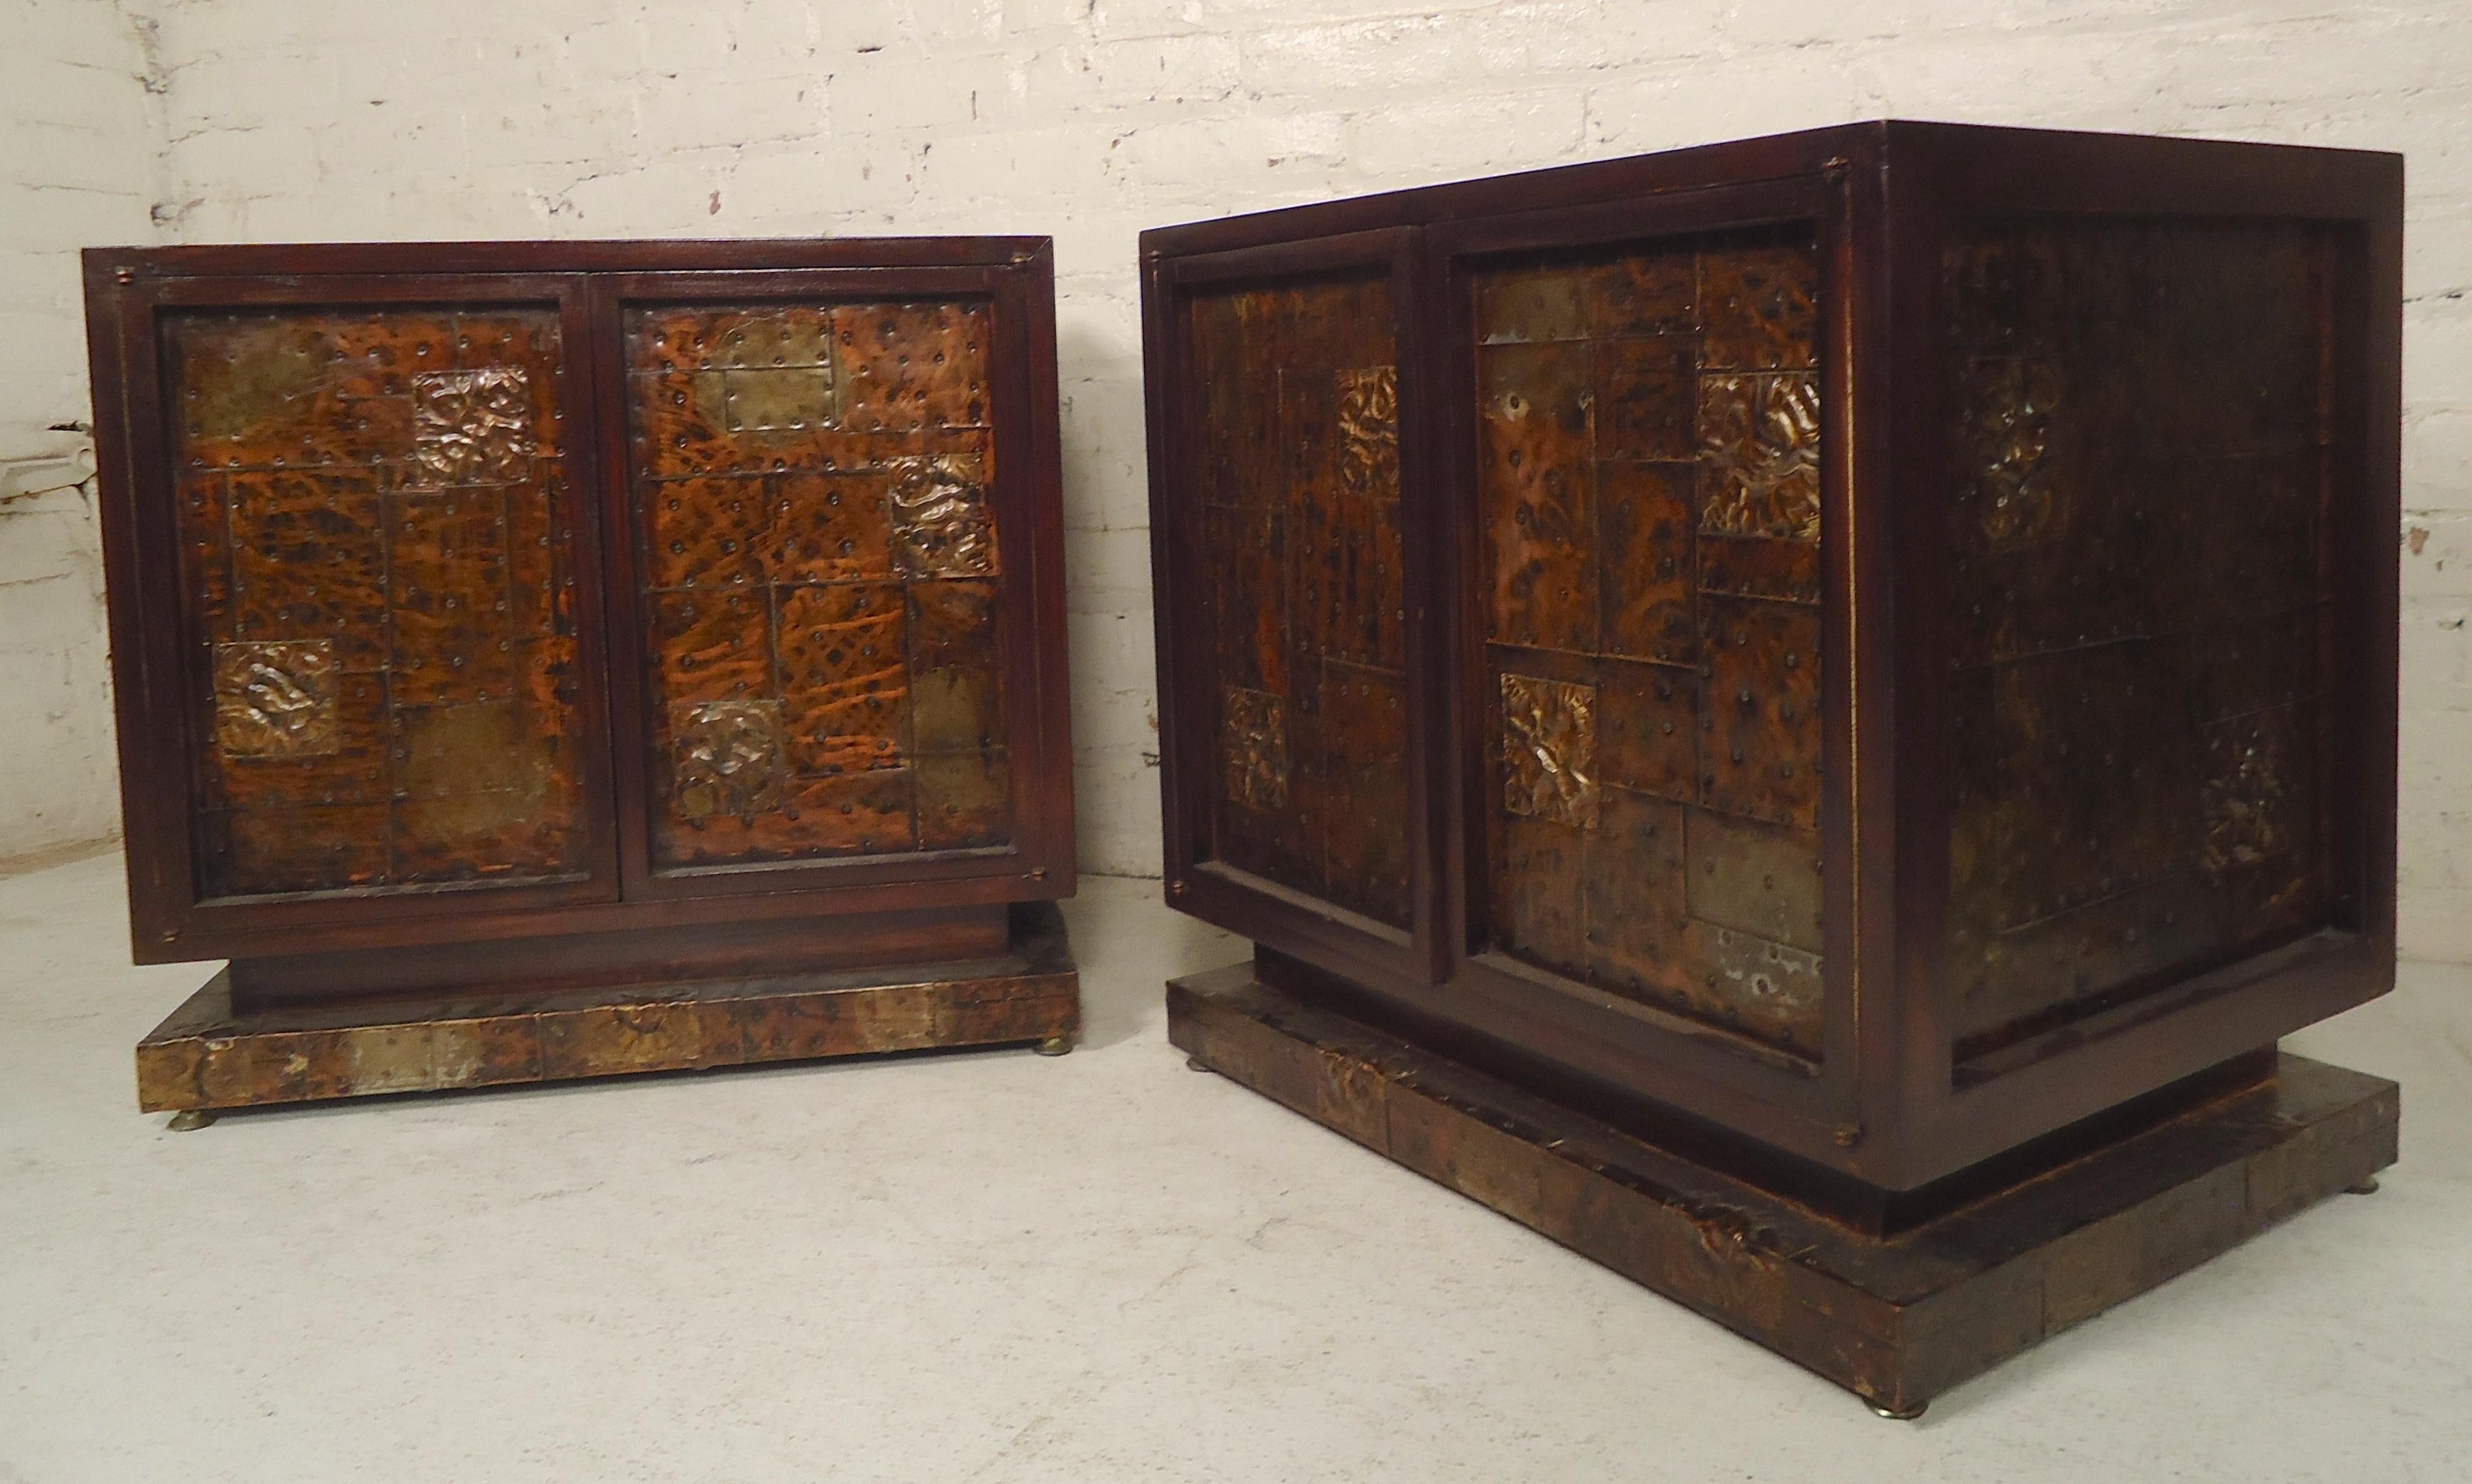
(2135, 477)
(1645, 538)
(707, 533)
(845, 676)
(1297, 448)
(914, 366)
(828, 528)
(1649, 488)
(1540, 482)
(1634, 897)
(389, 509)
(1648, 731)
(828, 469)
(712, 646)
(1760, 723)
(1758, 308)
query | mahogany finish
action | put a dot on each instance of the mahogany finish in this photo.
(645, 610)
(1870, 647)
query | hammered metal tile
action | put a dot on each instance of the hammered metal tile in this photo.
(306, 559)
(1755, 566)
(276, 700)
(1773, 992)
(1538, 890)
(942, 522)
(1544, 304)
(727, 758)
(777, 398)
(1369, 432)
(1760, 456)
(1645, 293)
(472, 427)
(1254, 747)
(1365, 835)
(1549, 745)
(1634, 896)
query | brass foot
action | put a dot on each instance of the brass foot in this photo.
(1895, 1416)
(1056, 1046)
(1195, 1063)
(2368, 1186)
(190, 1119)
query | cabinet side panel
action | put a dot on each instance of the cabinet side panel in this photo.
(378, 570)
(1295, 413)
(1649, 499)
(2138, 476)
(819, 580)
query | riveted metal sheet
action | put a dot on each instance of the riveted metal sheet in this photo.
(1538, 493)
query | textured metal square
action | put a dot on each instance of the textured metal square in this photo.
(472, 426)
(1548, 750)
(727, 758)
(1253, 742)
(276, 699)
(1369, 432)
(1760, 456)
(941, 526)
(1758, 308)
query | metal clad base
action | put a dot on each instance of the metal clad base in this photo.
(208, 1056)
(1895, 1320)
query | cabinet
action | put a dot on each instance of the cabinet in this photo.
(581, 630)
(1863, 662)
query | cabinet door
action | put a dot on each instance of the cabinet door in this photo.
(829, 534)
(365, 584)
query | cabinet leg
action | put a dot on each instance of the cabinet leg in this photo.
(2368, 1186)
(1894, 1415)
(189, 1118)
(1056, 1046)
(1195, 1063)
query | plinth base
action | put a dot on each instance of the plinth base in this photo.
(208, 1056)
(1897, 1320)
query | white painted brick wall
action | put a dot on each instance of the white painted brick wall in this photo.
(77, 158)
(1090, 119)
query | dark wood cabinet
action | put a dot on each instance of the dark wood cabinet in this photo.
(1864, 657)
(651, 614)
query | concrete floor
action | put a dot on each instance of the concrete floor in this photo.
(996, 1266)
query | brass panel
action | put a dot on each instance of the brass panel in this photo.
(1297, 447)
(1648, 489)
(2135, 477)
(827, 469)
(383, 503)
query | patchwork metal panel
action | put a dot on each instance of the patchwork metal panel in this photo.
(2137, 467)
(1297, 416)
(820, 580)
(1649, 486)
(378, 576)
